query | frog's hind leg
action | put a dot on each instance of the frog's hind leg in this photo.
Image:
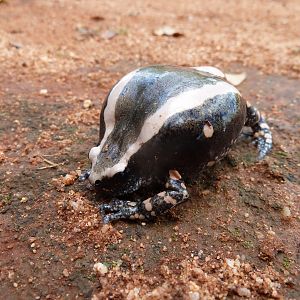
(160, 203)
(261, 130)
(175, 193)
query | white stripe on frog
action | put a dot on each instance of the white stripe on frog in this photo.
(109, 114)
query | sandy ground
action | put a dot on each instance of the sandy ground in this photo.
(237, 236)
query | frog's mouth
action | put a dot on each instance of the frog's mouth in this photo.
(105, 186)
(123, 183)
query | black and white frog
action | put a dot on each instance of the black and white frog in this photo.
(160, 124)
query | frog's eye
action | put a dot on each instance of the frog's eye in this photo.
(97, 182)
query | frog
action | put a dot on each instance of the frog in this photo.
(159, 125)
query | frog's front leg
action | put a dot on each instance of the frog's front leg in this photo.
(174, 194)
(118, 209)
(261, 130)
(85, 175)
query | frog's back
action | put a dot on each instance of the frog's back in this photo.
(180, 115)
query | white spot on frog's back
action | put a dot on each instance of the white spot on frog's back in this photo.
(174, 105)
(174, 174)
(208, 129)
(211, 163)
(211, 70)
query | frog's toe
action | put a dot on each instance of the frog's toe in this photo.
(261, 131)
(263, 138)
(116, 205)
(264, 145)
(122, 213)
(104, 207)
(106, 219)
(85, 175)
(118, 209)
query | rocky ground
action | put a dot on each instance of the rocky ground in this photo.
(237, 236)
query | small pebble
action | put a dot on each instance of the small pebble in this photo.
(100, 268)
(105, 228)
(230, 262)
(205, 192)
(43, 92)
(208, 130)
(271, 232)
(66, 273)
(15, 284)
(108, 34)
(194, 296)
(243, 292)
(87, 103)
(133, 294)
(77, 205)
(24, 199)
(69, 179)
(200, 253)
(286, 212)
(11, 274)
(78, 171)
(32, 239)
(259, 280)
(274, 294)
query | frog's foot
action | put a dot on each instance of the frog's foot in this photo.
(261, 131)
(116, 205)
(262, 138)
(150, 208)
(117, 209)
(175, 193)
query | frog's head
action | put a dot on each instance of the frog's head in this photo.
(120, 123)
(110, 173)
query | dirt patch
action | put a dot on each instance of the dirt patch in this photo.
(238, 235)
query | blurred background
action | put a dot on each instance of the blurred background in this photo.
(64, 35)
